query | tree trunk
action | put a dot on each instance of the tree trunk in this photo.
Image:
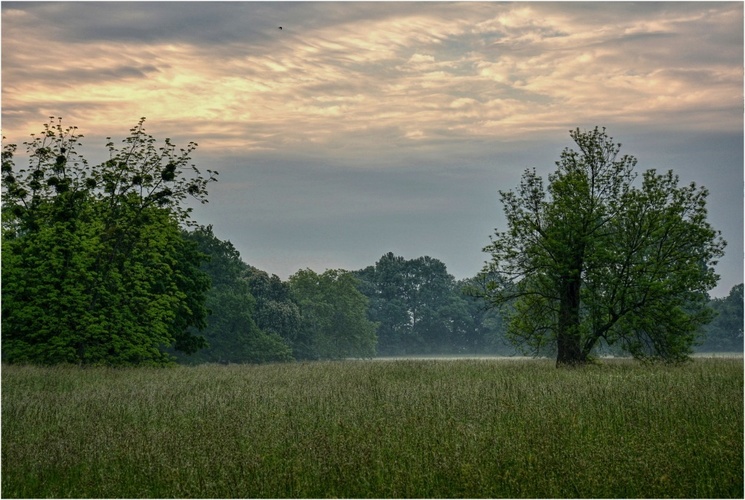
(568, 338)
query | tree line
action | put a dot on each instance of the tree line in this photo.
(396, 307)
(104, 265)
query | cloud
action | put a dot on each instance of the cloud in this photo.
(352, 100)
(335, 75)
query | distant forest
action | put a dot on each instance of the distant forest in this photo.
(411, 307)
(396, 307)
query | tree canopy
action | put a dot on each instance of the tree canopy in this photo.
(594, 258)
(231, 330)
(334, 316)
(421, 309)
(276, 311)
(725, 332)
(95, 267)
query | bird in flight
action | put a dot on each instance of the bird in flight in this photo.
(280, 27)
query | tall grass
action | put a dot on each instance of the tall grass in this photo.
(465, 428)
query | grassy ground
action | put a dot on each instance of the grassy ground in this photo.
(461, 428)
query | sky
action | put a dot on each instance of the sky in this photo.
(365, 128)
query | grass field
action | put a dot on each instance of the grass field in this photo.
(459, 428)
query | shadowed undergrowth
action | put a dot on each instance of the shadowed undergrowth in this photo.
(461, 428)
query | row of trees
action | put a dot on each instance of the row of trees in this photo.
(421, 309)
(103, 265)
(396, 307)
(257, 318)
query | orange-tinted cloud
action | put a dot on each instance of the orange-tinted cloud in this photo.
(361, 128)
(472, 70)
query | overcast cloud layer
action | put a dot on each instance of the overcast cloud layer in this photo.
(363, 128)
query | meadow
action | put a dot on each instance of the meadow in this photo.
(405, 428)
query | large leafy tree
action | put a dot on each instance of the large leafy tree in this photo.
(595, 258)
(387, 289)
(276, 312)
(418, 305)
(94, 265)
(334, 316)
(437, 310)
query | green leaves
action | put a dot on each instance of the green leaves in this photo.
(421, 309)
(334, 316)
(594, 257)
(231, 330)
(95, 268)
(725, 332)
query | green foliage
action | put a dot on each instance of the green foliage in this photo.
(483, 327)
(387, 291)
(725, 333)
(275, 311)
(421, 309)
(334, 316)
(231, 331)
(95, 268)
(379, 429)
(594, 258)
